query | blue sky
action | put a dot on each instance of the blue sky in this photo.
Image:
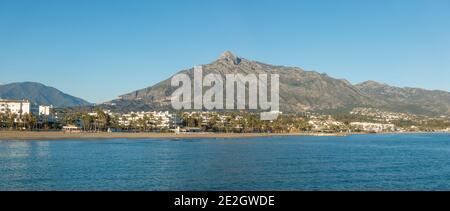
(98, 49)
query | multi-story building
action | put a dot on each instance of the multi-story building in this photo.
(45, 110)
(373, 127)
(18, 107)
(158, 118)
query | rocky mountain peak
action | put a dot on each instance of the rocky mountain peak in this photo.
(229, 57)
(304, 91)
(371, 84)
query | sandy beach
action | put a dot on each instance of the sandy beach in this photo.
(58, 135)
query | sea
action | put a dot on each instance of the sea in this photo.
(288, 163)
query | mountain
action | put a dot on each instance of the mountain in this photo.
(301, 90)
(39, 94)
(410, 100)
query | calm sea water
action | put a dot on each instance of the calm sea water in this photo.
(359, 162)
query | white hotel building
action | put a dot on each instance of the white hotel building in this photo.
(18, 107)
(163, 119)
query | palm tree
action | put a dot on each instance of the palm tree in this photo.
(11, 119)
(70, 118)
(87, 121)
(125, 119)
(27, 120)
(145, 121)
(101, 120)
(213, 122)
(141, 124)
(132, 122)
(302, 125)
(158, 122)
(3, 120)
(113, 121)
(33, 122)
(227, 124)
(45, 122)
(151, 121)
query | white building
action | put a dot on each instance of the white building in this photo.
(319, 124)
(373, 127)
(158, 118)
(18, 107)
(45, 110)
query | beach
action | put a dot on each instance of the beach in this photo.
(59, 135)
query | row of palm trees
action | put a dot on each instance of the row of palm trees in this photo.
(102, 121)
(230, 122)
(241, 122)
(27, 121)
(245, 123)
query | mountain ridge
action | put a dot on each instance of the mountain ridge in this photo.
(40, 94)
(302, 90)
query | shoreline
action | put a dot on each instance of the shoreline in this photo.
(59, 135)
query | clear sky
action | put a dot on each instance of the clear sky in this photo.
(99, 49)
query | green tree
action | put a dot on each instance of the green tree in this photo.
(102, 120)
(87, 121)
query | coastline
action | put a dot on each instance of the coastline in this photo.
(59, 135)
